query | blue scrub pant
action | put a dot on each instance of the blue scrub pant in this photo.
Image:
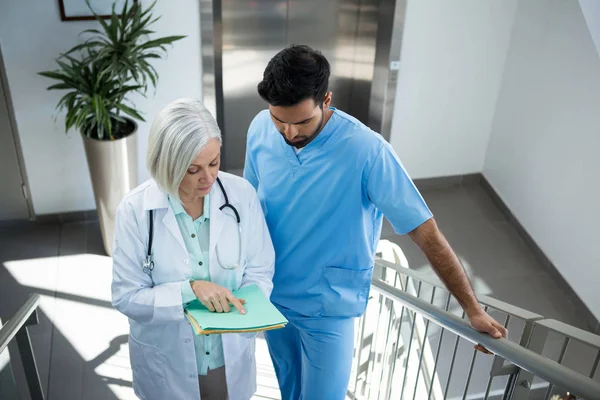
(312, 357)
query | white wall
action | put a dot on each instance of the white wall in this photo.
(452, 60)
(591, 13)
(543, 154)
(31, 36)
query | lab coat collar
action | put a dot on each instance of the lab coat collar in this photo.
(155, 198)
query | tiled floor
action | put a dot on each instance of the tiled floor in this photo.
(80, 343)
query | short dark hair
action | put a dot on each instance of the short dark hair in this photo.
(293, 75)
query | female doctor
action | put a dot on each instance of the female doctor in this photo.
(189, 232)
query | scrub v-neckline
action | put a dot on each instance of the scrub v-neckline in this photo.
(310, 150)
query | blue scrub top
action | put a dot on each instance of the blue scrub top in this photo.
(324, 208)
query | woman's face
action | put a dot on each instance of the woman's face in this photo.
(202, 172)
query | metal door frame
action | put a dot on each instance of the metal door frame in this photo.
(211, 42)
(15, 135)
(392, 14)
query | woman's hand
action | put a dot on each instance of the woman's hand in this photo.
(216, 298)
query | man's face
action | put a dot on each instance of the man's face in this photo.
(301, 123)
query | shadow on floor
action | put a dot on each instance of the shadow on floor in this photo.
(29, 263)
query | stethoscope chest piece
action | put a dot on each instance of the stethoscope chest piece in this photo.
(148, 265)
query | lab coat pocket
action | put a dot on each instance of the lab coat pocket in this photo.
(238, 346)
(147, 364)
(345, 291)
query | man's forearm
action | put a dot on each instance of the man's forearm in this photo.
(448, 267)
(446, 264)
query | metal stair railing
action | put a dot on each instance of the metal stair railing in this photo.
(410, 345)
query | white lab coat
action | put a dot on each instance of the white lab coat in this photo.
(161, 346)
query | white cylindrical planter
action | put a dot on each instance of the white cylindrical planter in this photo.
(113, 170)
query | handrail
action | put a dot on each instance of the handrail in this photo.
(485, 300)
(12, 327)
(538, 365)
(561, 328)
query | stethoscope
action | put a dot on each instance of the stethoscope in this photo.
(148, 264)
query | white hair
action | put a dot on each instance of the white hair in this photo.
(178, 133)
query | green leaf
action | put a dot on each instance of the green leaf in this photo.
(148, 72)
(87, 44)
(146, 32)
(124, 12)
(129, 111)
(94, 31)
(68, 68)
(66, 100)
(81, 115)
(98, 18)
(114, 25)
(148, 10)
(54, 75)
(160, 42)
(97, 106)
(117, 118)
(60, 86)
(150, 55)
(140, 27)
(86, 126)
(108, 125)
(70, 119)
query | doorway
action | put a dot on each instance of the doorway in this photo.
(15, 203)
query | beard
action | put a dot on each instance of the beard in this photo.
(305, 140)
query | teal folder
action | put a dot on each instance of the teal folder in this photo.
(260, 315)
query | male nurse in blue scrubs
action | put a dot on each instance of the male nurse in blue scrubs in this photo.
(325, 181)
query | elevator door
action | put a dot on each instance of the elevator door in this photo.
(253, 31)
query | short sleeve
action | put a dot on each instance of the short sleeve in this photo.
(249, 169)
(393, 192)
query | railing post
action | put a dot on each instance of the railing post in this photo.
(534, 340)
(29, 365)
(510, 387)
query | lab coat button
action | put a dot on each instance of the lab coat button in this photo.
(187, 340)
(186, 261)
(192, 376)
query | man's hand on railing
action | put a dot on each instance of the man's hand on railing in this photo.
(447, 265)
(483, 322)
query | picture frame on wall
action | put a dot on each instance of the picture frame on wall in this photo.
(78, 10)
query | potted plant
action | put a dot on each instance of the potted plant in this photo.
(99, 74)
